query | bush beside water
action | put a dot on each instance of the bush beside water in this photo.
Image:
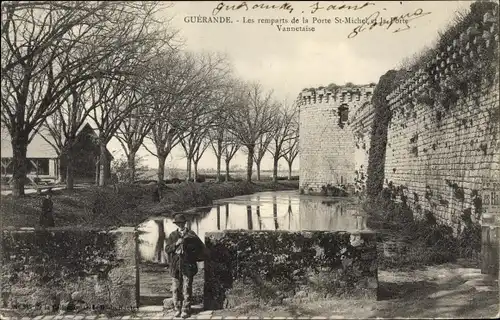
(421, 240)
(129, 206)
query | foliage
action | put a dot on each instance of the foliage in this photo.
(426, 241)
(381, 118)
(268, 260)
(121, 167)
(39, 268)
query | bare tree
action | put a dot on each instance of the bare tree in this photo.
(284, 132)
(202, 147)
(231, 146)
(219, 133)
(204, 109)
(173, 75)
(121, 100)
(184, 100)
(131, 134)
(44, 42)
(64, 125)
(251, 119)
(292, 147)
(134, 128)
(261, 148)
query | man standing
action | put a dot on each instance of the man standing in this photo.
(47, 217)
(184, 248)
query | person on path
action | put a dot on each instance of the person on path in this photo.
(156, 193)
(47, 216)
(184, 248)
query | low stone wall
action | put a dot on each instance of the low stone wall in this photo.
(490, 243)
(275, 267)
(61, 269)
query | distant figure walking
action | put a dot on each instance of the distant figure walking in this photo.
(156, 193)
(114, 181)
(184, 248)
(47, 215)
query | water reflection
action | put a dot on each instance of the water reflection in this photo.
(284, 210)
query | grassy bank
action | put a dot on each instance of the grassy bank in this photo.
(414, 242)
(129, 206)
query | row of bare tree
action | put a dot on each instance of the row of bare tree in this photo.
(118, 64)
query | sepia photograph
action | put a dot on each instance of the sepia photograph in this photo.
(250, 160)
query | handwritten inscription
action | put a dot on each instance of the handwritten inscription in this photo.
(364, 24)
(397, 23)
(245, 7)
(335, 7)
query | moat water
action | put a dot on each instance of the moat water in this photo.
(277, 210)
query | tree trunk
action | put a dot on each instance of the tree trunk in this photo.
(19, 149)
(257, 165)
(161, 167)
(131, 167)
(251, 150)
(61, 174)
(97, 170)
(188, 169)
(103, 179)
(289, 171)
(70, 177)
(227, 169)
(275, 169)
(195, 166)
(218, 168)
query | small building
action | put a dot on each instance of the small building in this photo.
(44, 162)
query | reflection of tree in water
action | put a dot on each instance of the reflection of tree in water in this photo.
(196, 217)
(158, 257)
(289, 213)
(218, 217)
(258, 214)
(249, 217)
(275, 213)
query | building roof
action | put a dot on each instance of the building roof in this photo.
(38, 147)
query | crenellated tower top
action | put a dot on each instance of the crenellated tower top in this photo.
(337, 95)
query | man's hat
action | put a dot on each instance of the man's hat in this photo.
(179, 218)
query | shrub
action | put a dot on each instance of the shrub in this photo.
(286, 178)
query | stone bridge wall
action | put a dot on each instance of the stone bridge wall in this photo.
(276, 267)
(64, 269)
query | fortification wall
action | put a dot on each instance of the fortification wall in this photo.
(443, 152)
(334, 136)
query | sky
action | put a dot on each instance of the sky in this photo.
(287, 62)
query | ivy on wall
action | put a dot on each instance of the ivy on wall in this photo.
(378, 141)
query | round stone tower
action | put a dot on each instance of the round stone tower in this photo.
(335, 129)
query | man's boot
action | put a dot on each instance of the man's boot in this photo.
(177, 312)
(177, 309)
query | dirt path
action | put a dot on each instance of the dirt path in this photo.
(448, 290)
(451, 290)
